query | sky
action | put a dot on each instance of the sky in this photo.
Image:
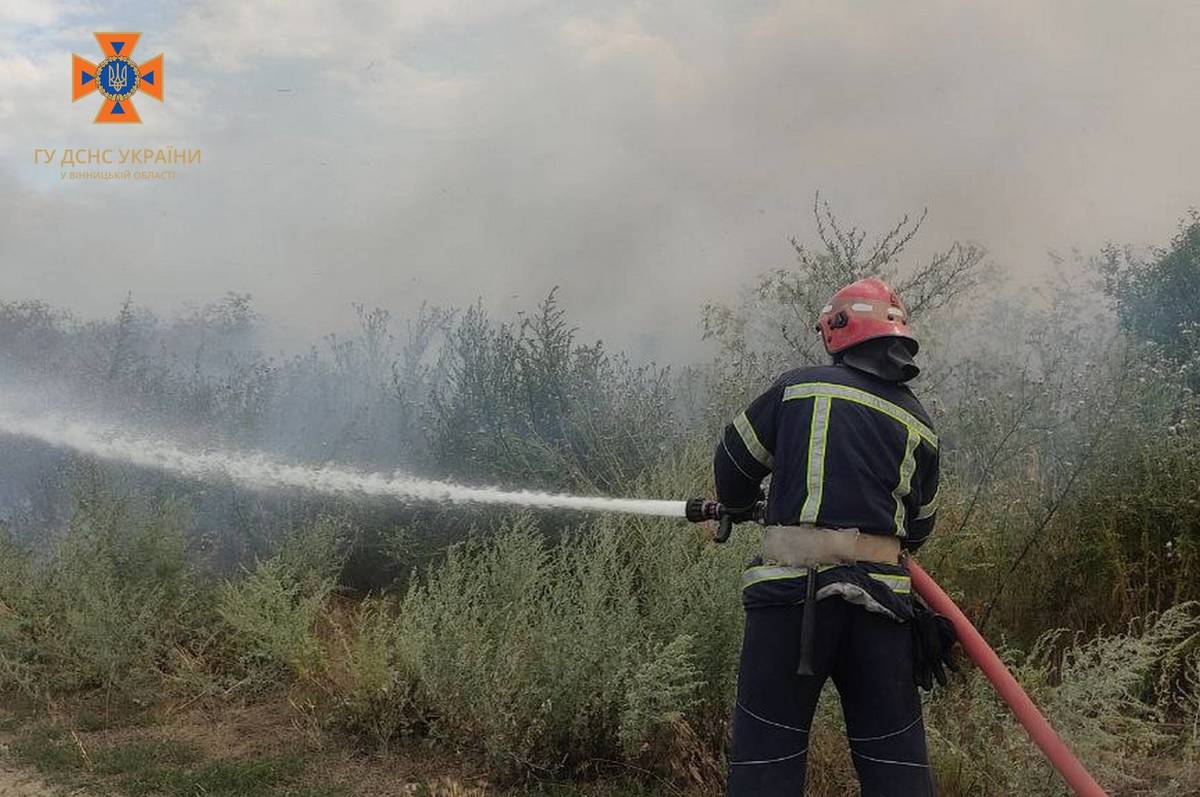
(645, 157)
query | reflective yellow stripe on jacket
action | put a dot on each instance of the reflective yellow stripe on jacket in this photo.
(759, 574)
(823, 394)
(750, 439)
(817, 438)
(830, 390)
(927, 510)
(908, 466)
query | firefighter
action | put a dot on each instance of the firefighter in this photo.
(853, 460)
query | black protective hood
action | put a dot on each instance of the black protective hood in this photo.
(889, 358)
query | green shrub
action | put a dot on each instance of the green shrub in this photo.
(549, 656)
(662, 691)
(17, 601)
(274, 610)
(373, 682)
(1118, 700)
(106, 607)
(273, 618)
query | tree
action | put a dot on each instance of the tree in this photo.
(1158, 300)
(772, 327)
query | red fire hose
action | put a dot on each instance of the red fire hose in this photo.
(1078, 778)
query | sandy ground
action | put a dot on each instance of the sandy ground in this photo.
(19, 783)
(16, 781)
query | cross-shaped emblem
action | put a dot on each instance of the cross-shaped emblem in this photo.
(117, 77)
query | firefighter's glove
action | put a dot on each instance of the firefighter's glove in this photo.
(742, 514)
(752, 511)
(933, 646)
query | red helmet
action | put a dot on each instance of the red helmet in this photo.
(863, 310)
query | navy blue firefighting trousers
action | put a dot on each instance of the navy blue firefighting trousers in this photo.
(869, 657)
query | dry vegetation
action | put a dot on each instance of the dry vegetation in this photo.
(162, 637)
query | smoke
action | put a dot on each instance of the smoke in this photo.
(259, 471)
(643, 156)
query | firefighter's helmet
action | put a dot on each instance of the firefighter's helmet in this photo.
(862, 311)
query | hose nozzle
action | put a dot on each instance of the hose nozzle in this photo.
(698, 510)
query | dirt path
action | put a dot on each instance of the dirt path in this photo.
(16, 782)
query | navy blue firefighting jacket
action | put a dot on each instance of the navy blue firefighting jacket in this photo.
(845, 449)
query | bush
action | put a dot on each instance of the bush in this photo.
(1119, 700)
(108, 605)
(547, 658)
(273, 618)
(528, 404)
(274, 610)
(373, 680)
(662, 691)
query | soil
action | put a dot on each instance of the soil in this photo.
(20, 783)
(220, 730)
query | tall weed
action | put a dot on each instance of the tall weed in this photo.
(273, 612)
(105, 607)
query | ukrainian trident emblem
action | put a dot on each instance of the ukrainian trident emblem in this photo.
(117, 77)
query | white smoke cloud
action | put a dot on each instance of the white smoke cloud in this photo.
(647, 158)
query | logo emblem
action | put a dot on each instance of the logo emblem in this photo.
(117, 78)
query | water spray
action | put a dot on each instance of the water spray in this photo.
(260, 471)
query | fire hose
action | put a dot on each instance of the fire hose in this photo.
(1035, 723)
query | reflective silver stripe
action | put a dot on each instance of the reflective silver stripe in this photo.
(903, 730)
(750, 439)
(816, 460)
(765, 721)
(908, 466)
(928, 509)
(811, 389)
(888, 761)
(853, 593)
(768, 760)
(732, 459)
